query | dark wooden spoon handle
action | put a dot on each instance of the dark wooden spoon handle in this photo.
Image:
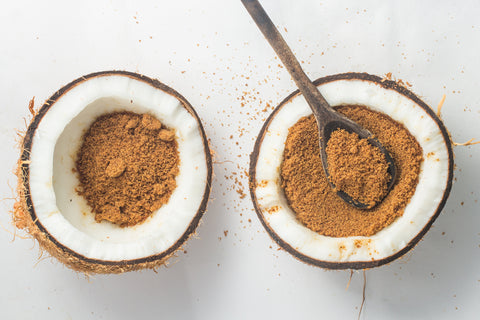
(320, 107)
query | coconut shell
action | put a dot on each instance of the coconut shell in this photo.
(387, 84)
(24, 216)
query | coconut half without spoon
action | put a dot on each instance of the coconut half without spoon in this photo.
(328, 120)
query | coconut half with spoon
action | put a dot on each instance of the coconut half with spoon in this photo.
(90, 190)
(289, 172)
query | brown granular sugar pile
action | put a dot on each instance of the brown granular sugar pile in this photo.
(357, 167)
(313, 200)
(127, 167)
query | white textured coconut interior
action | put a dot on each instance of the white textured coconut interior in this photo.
(429, 192)
(66, 215)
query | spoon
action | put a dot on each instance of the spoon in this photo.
(328, 120)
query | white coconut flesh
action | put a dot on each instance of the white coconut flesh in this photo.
(65, 214)
(433, 178)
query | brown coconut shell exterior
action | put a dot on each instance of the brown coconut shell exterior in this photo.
(24, 216)
(387, 84)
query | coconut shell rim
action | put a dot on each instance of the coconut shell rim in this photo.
(123, 265)
(387, 84)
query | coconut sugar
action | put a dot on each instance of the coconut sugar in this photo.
(357, 167)
(127, 167)
(312, 198)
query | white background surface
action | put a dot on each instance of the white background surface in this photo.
(211, 52)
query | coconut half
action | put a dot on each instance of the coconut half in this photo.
(59, 218)
(435, 179)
